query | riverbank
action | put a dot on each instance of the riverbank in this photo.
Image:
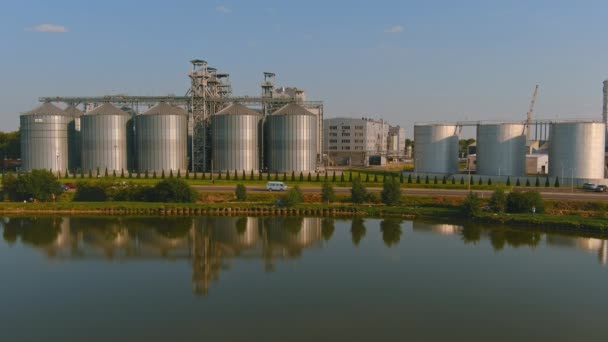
(563, 216)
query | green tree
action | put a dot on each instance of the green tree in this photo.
(268, 175)
(333, 178)
(227, 175)
(522, 202)
(375, 178)
(179, 175)
(498, 201)
(350, 177)
(317, 177)
(508, 181)
(537, 183)
(401, 177)
(276, 176)
(327, 228)
(391, 231)
(435, 181)
(426, 179)
(367, 178)
(81, 173)
(293, 197)
(527, 182)
(471, 205)
(105, 174)
(293, 176)
(90, 173)
(489, 181)
(91, 192)
(556, 184)
(444, 180)
(113, 173)
(39, 185)
(327, 193)
(517, 183)
(259, 175)
(357, 230)
(358, 192)
(162, 174)
(461, 180)
(122, 173)
(284, 176)
(174, 191)
(391, 192)
(241, 192)
(251, 175)
(66, 174)
(342, 177)
(409, 179)
(301, 176)
(480, 182)
(236, 175)
(547, 183)
(154, 174)
(453, 180)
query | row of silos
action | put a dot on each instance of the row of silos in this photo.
(576, 149)
(110, 138)
(287, 139)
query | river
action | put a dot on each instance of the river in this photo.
(296, 279)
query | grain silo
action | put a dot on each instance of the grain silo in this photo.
(74, 138)
(104, 139)
(576, 150)
(44, 138)
(236, 232)
(436, 148)
(291, 139)
(161, 135)
(501, 149)
(234, 139)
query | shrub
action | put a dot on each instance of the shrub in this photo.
(508, 181)
(333, 178)
(461, 180)
(91, 192)
(284, 176)
(309, 177)
(40, 185)
(240, 192)
(301, 176)
(444, 180)
(122, 173)
(327, 193)
(276, 176)
(358, 192)
(367, 178)
(179, 175)
(480, 181)
(537, 183)
(498, 201)
(453, 180)
(435, 181)
(489, 181)
(522, 202)
(162, 175)
(517, 183)
(527, 182)
(342, 177)
(409, 179)
(391, 192)
(426, 179)
(375, 178)
(547, 184)
(471, 205)
(227, 175)
(401, 177)
(293, 197)
(187, 174)
(293, 176)
(556, 184)
(114, 173)
(173, 190)
(317, 178)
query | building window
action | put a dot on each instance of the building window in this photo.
(358, 127)
(345, 127)
(345, 147)
(333, 141)
(346, 134)
(346, 141)
(333, 127)
(333, 147)
(333, 134)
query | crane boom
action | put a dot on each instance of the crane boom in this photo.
(531, 111)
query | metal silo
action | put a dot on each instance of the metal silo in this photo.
(74, 138)
(436, 148)
(161, 135)
(576, 150)
(104, 139)
(501, 149)
(234, 139)
(291, 139)
(44, 138)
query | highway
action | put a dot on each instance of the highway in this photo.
(550, 194)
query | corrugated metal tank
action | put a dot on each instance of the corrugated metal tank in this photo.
(501, 149)
(436, 148)
(104, 139)
(293, 231)
(161, 139)
(44, 138)
(234, 139)
(291, 139)
(74, 139)
(577, 150)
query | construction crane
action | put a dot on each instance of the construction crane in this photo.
(529, 115)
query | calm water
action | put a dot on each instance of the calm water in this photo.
(295, 279)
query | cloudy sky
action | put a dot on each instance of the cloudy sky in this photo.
(405, 61)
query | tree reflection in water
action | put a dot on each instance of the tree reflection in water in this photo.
(391, 231)
(357, 230)
(327, 228)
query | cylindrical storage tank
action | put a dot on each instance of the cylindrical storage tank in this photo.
(234, 139)
(161, 139)
(291, 140)
(436, 148)
(44, 138)
(104, 139)
(74, 139)
(577, 150)
(501, 149)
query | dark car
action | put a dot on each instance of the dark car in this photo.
(600, 188)
(589, 187)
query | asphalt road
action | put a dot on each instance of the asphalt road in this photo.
(553, 194)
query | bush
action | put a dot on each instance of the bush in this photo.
(293, 176)
(527, 182)
(375, 178)
(301, 176)
(358, 192)
(426, 179)
(91, 192)
(471, 206)
(293, 197)
(391, 192)
(461, 180)
(327, 193)
(498, 201)
(409, 179)
(309, 178)
(174, 191)
(367, 178)
(517, 183)
(342, 177)
(547, 184)
(489, 181)
(333, 178)
(40, 185)
(508, 181)
(537, 183)
(240, 192)
(522, 202)
(556, 184)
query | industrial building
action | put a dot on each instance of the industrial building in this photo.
(208, 129)
(361, 142)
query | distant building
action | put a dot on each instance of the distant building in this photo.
(362, 142)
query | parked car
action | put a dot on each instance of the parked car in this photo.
(589, 186)
(601, 188)
(276, 186)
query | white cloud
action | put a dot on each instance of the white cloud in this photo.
(223, 9)
(48, 28)
(394, 29)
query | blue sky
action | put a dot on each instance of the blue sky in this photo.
(405, 61)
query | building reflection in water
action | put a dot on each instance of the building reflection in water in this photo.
(210, 244)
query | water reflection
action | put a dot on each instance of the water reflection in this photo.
(211, 244)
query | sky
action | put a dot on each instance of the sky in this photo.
(404, 61)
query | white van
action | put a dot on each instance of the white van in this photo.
(276, 186)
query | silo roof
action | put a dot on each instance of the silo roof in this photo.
(107, 109)
(237, 109)
(292, 109)
(46, 108)
(73, 111)
(163, 108)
